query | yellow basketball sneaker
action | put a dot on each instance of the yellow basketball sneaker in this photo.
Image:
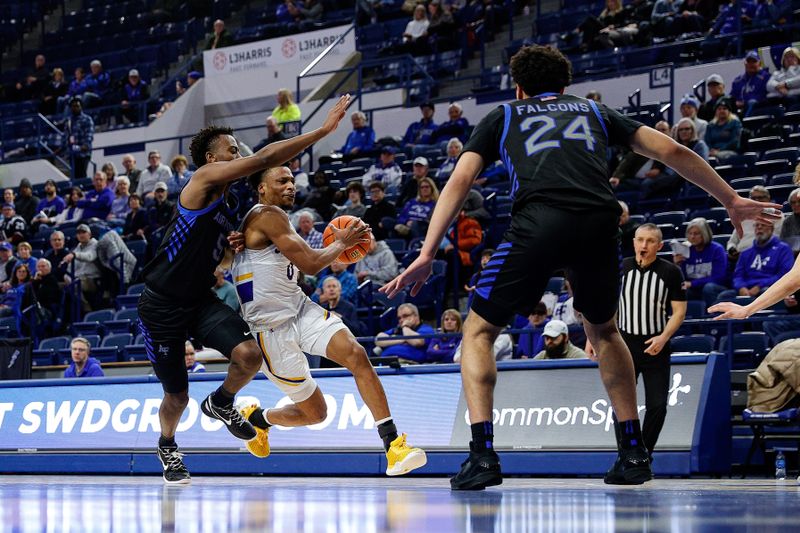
(259, 446)
(401, 457)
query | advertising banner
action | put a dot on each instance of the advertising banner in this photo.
(564, 408)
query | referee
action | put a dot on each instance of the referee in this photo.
(650, 286)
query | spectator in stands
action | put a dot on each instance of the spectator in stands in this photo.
(321, 196)
(98, 84)
(190, 359)
(286, 110)
(160, 213)
(736, 245)
(454, 148)
(531, 343)
(9, 196)
(749, 89)
(715, 89)
(56, 255)
(635, 169)
(408, 324)
(462, 237)
(386, 170)
(44, 290)
(760, 265)
(136, 222)
(110, 171)
(82, 365)
(421, 132)
(457, 126)
(53, 90)
(689, 107)
(379, 209)
(594, 95)
(557, 344)
(26, 204)
(300, 178)
(25, 256)
(225, 290)
(346, 278)
(120, 204)
(565, 310)
(80, 134)
(180, 174)
(442, 29)
(726, 22)
(688, 20)
(419, 170)
(503, 349)
(87, 266)
(7, 262)
(306, 13)
(52, 204)
(707, 265)
(32, 86)
(414, 36)
(723, 133)
(471, 285)
(98, 201)
(191, 79)
(333, 302)
(442, 349)
(14, 228)
(790, 232)
(361, 141)
(627, 228)
(305, 227)
(133, 173)
(355, 201)
(14, 291)
(155, 172)
(220, 38)
(75, 90)
(663, 17)
(379, 266)
(274, 134)
(135, 90)
(72, 213)
(784, 84)
(668, 182)
(413, 219)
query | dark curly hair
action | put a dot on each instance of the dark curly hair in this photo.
(201, 143)
(541, 69)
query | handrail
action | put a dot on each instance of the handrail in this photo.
(325, 52)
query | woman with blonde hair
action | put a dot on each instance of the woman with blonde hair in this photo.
(707, 265)
(286, 110)
(784, 84)
(180, 173)
(441, 350)
(413, 220)
(119, 205)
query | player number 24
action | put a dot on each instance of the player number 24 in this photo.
(577, 130)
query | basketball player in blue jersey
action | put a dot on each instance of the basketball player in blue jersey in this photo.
(178, 302)
(564, 216)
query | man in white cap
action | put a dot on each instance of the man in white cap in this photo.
(134, 90)
(409, 190)
(715, 89)
(155, 172)
(160, 213)
(557, 345)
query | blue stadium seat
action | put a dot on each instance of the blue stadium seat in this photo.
(782, 179)
(118, 340)
(134, 352)
(792, 154)
(780, 193)
(675, 218)
(696, 308)
(757, 341)
(349, 172)
(747, 183)
(136, 288)
(106, 354)
(43, 357)
(54, 343)
(127, 301)
(693, 343)
(555, 285)
(93, 322)
(770, 167)
(785, 336)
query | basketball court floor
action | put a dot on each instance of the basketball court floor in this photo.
(287, 504)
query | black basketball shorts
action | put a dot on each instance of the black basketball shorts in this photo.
(541, 240)
(167, 324)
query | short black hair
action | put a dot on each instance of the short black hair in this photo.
(541, 69)
(255, 178)
(202, 141)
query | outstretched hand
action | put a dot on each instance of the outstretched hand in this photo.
(728, 310)
(417, 273)
(747, 209)
(336, 114)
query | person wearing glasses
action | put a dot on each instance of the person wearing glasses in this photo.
(668, 181)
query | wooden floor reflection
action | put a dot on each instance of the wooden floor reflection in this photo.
(144, 504)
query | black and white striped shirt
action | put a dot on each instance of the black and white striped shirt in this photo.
(646, 294)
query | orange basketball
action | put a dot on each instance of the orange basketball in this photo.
(353, 254)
